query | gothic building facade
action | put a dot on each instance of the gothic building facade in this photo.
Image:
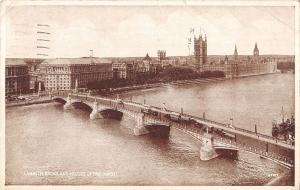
(200, 50)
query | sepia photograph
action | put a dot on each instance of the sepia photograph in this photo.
(149, 94)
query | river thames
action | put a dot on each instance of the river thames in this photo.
(48, 145)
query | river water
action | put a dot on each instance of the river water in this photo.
(48, 145)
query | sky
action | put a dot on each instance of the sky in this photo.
(122, 31)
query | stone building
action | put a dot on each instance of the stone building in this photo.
(62, 73)
(144, 65)
(200, 50)
(237, 67)
(161, 55)
(36, 73)
(16, 76)
(123, 70)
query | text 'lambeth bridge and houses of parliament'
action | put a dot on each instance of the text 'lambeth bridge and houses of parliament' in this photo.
(75, 81)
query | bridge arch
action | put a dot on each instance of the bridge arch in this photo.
(265, 156)
(227, 152)
(82, 105)
(59, 99)
(111, 113)
(158, 129)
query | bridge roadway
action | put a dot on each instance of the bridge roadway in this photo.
(195, 132)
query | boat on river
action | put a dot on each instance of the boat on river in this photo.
(285, 130)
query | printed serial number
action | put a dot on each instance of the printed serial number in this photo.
(272, 175)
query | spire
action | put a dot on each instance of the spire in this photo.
(205, 38)
(256, 51)
(147, 57)
(235, 52)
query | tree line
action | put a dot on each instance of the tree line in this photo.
(166, 75)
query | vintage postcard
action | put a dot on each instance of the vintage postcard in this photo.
(176, 95)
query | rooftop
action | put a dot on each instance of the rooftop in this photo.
(82, 60)
(15, 62)
(147, 57)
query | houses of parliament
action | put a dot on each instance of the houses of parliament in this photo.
(238, 66)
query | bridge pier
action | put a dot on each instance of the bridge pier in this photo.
(140, 129)
(207, 151)
(94, 114)
(68, 103)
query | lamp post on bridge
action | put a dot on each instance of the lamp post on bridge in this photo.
(39, 89)
(255, 129)
(231, 122)
(76, 86)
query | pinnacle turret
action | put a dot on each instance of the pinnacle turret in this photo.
(235, 53)
(255, 51)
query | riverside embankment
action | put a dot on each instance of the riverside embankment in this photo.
(161, 84)
(37, 100)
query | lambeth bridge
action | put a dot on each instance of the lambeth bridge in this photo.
(216, 138)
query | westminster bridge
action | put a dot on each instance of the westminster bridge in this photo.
(216, 138)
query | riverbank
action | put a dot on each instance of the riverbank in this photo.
(161, 84)
(177, 82)
(259, 74)
(47, 99)
(41, 100)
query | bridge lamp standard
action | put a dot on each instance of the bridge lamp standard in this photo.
(231, 122)
(164, 107)
(76, 86)
(39, 89)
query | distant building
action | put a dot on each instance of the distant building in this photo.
(61, 74)
(161, 54)
(237, 67)
(148, 65)
(200, 50)
(226, 60)
(255, 51)
(37, 74)
(16, 76)
(144, 65)
(123, 70)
